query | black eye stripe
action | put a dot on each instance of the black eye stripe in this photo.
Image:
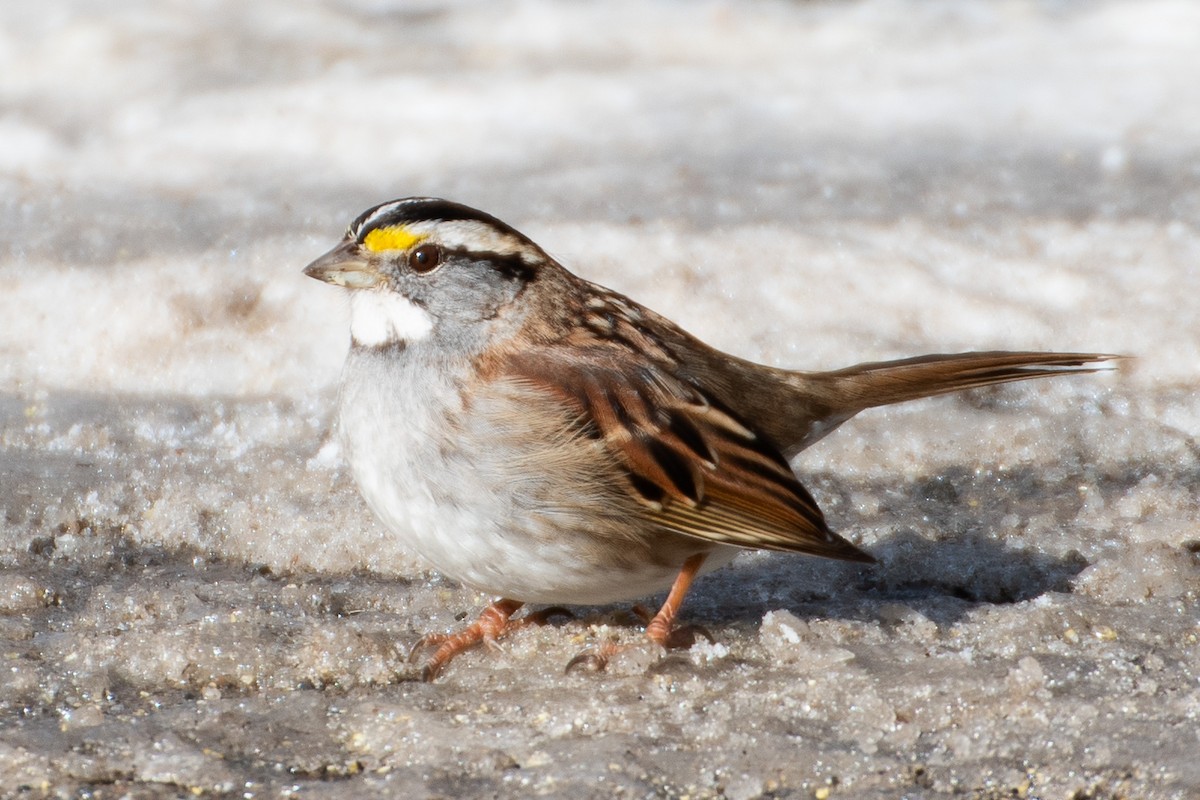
(510, 265)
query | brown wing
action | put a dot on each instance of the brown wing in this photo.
(692, 464)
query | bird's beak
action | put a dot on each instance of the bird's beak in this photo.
(345, 266)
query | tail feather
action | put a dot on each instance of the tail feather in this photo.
(885, 382)
(824, 400)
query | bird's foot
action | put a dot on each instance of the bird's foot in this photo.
(662, 630)
(659, 630)
(492, 624)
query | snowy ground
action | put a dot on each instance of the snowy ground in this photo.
(193, 600)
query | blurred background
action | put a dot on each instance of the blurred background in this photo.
(807, 184)
(167, 168)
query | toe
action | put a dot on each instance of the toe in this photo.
(594, 659)
(587, 662)
(685, 636)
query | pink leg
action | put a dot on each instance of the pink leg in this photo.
(660, 628)
(493, 622)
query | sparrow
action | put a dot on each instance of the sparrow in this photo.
(546, 440)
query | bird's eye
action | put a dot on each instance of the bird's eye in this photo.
(425, 258)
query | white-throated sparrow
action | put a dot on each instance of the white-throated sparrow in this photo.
(543, 439)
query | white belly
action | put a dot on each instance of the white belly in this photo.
(466, 504)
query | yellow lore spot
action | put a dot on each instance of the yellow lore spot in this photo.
(397, 237)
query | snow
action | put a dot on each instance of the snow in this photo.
(194, 599)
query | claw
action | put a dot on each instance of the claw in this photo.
(428, 640)
(594, 660)
(591, 662)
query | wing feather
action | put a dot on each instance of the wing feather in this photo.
(694, 466)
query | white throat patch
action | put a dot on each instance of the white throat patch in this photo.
(383, 317)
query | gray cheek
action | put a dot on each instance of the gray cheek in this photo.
(471, 293)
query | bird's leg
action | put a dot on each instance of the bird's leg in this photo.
(494, 622)
(660, 628)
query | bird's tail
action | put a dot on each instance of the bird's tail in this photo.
(845, 392)
(882, 383)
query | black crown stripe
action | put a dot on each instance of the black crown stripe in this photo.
(424, 209)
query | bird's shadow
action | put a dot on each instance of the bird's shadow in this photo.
(955, 562)
(943, 581)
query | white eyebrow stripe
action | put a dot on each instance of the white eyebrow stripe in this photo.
(471, 235)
